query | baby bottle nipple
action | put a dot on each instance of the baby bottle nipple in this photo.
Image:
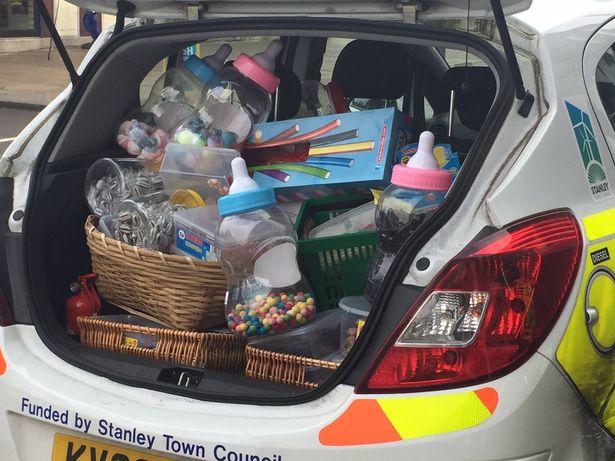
(241, 178)
(266, 59)
(216, 60)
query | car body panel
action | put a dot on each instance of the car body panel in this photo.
(538, 415)
(536, 394)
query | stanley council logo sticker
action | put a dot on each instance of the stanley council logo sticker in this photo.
(595, 174)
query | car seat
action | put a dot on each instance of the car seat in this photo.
(475, 89)
(373, 70)
(287, 99)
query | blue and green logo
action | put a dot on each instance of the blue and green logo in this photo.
(590, 154)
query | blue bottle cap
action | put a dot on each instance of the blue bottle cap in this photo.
(200, 70)
(248, 200)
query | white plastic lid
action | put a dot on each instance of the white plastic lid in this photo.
(356, 305)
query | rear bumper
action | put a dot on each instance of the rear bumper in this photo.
(536, 417)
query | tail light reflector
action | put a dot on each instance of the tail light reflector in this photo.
(486, 312)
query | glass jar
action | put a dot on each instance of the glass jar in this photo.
(146, 222)
(109, 181)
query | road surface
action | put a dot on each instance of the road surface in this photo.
(12, 121)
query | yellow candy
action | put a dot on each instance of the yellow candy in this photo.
(264, 309)
(300, 305)
(299, 317)
(243, 327)
(310, 301)
(265, 322)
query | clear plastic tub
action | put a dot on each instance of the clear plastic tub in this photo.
(355, 310)
(204, 170)
(111, 180)
(360, 219)
(195, 230)
(319, 339)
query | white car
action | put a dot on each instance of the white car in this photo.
(529, 226)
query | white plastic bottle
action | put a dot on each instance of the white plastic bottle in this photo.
(417, 189)
(239, 97)
(257, 248)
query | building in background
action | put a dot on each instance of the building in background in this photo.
(21, 27)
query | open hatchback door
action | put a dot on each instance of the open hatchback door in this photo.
(391, 10)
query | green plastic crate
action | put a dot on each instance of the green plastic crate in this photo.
(335, 266)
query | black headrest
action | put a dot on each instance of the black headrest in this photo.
(373, 70)
(474, 93)
(289, 93)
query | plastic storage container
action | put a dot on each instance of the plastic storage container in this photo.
(355, 310)
(257, 249)
(359, 219)
(146, 221)
(416, 191)
(303, 356)
(203, 170)
(195, 231)
(109, 181)
(178, 91)
(239, 98)
(336, 266)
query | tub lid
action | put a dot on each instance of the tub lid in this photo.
(356, 305)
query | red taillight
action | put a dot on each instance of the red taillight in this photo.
(486, 312)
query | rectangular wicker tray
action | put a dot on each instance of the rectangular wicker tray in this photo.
(287, 368)
(217, 351)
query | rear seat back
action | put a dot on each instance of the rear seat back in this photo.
(373, 70)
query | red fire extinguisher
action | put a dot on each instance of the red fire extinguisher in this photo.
(85, 302)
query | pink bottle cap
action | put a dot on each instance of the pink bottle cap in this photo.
(422, 171)
(259, 69)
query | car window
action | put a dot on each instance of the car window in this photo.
(333, 50)
(605, 80)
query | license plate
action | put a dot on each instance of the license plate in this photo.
(70, 448)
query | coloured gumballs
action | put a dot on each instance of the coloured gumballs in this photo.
(267, 313)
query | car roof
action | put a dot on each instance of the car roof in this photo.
(578, 17)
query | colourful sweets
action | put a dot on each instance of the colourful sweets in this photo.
(274, 312)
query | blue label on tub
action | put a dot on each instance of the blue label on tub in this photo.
(190, 243)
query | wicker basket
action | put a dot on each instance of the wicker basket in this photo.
(217, 351)
(286, 368)
(176, 291)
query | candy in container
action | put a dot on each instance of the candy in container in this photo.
(109, 181)
(257, 248)
(238, 97)
(178, 91)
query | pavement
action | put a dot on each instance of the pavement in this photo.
(29, 80)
